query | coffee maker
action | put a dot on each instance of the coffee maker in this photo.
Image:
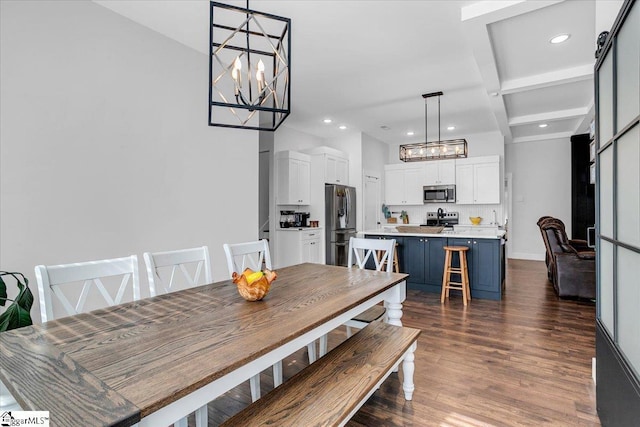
(301, 219)
(290, 219)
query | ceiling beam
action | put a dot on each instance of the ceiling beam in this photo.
(488, 12)
(549, 116)
(552, 78)
(476, 19)
(542, 137)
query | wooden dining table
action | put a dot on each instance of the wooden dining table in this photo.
(156, 360)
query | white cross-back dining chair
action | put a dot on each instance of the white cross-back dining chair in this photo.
(166, 272)
(379, 254)
(62, 282)
(361, 252)
(57, 280)
(253, 255)
(256, 256)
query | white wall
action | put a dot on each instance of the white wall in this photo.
(541, 186)
(286, 138)
(105, 148)
(374, 155)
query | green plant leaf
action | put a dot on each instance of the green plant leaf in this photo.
(14, 317)
(25, 300)
(17, 314)
(3, 292)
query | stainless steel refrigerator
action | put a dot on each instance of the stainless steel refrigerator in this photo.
(340, 221)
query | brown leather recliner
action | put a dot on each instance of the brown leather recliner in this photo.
(570, 263)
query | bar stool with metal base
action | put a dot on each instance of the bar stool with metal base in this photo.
(463, 271)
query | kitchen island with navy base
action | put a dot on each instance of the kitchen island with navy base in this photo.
(421, 255)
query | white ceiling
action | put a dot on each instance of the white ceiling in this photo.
(365, 64)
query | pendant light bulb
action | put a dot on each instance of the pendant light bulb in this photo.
(260, 75)
(235, 72)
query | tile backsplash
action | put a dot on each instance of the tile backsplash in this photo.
(418, 214)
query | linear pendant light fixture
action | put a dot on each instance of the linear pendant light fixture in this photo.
(249, 68)
(435, 150)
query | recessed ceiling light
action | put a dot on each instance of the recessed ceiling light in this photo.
(451, 127)
(560, 38)
(410, 133)
(543, 125)
(494, 94)
(342, 127)
(327, 120)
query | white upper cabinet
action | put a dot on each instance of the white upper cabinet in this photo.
(478, 180)
(464, 184)
(332, 164)
(403, 184)
(294, 178)
(336, 170)
(440, 172)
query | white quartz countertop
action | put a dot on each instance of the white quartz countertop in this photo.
(462, 232)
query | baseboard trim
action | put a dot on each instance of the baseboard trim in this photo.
(527, 256)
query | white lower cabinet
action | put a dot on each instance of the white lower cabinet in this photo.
(310, 247)
(298, 246)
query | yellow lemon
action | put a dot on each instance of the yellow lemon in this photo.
(254, 276)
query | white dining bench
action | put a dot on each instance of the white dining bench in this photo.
(331, 390)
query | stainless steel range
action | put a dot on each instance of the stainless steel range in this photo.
(442, 218)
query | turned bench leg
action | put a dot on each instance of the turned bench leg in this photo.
(408, 367)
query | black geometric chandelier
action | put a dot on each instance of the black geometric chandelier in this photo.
(249, 68)
(434, 150)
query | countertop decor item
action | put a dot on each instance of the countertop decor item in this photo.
(434, 150)
(385, 211)
(475, 220)
(405, 217)
(18, 313)
(419, 229)
(254, 285)
(249, 59)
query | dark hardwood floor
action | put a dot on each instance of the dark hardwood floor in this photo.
(522, 361)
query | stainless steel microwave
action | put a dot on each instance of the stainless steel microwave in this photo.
(439, 193)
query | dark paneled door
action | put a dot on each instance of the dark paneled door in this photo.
(583, 201)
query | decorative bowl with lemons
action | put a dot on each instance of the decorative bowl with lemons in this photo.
(475, 220)
(254, 285)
